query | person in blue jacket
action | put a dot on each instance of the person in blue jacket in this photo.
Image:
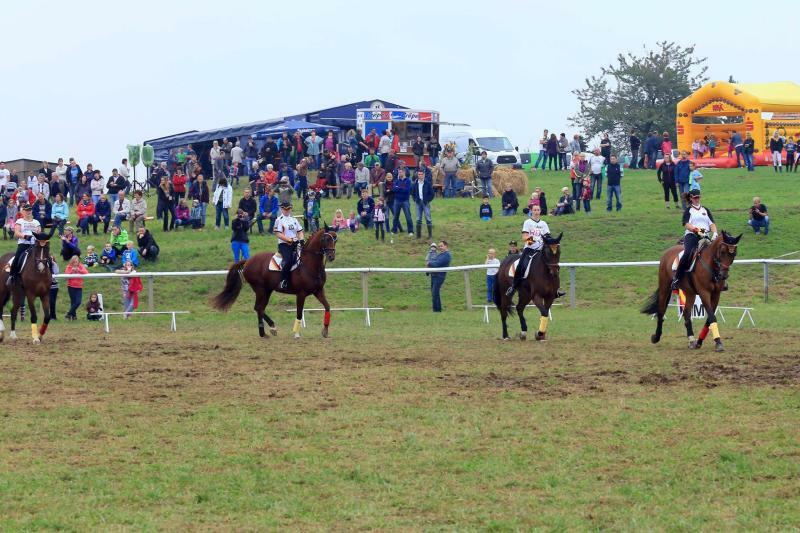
(438, 260)
(402, 192)
(267, 208)
(682, 173)
(422, 193)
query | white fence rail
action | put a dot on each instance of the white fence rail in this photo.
(466, 269)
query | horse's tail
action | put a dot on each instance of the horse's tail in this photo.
(497, 297)
(233, 285)
(650, 307)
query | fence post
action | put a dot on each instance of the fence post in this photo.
(766, 282)
(572, 287)
(150, 304)
(467, 289)
(364, 291)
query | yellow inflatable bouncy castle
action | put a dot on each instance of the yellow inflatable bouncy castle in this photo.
(713, 113)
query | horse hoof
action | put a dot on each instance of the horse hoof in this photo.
(296, 335)
(505, 338)
(325, 332)
(13, 336)
(540, 337)
(273, 332)
(654, 339)
(523, 335)
(261, 333)
(36, 341)
(719, 347)
(693, 345)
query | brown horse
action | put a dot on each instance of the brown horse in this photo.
(33, 282)
(541, 287)
(706, 280)
(306, 279)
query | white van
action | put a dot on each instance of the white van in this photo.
(498, 148)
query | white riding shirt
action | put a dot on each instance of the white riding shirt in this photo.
(699, 217)
(288, 225)
(535, 230)
(28, 228)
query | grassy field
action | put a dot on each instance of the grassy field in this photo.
(414, 424)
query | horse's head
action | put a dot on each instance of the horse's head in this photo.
(726, 248)
(552, 252)
(323, 242)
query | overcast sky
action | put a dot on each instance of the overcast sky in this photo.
(84, 79)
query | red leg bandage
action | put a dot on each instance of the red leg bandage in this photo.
(42, 329)
(703, 333)
(326, 321)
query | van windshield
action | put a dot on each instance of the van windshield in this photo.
(495, 144)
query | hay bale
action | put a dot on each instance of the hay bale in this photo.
(503, 176)
(466, 174)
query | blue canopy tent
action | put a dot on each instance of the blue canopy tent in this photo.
(291, 126)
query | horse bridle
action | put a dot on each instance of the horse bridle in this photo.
(553, 268)
(325, 249)
(720, 270)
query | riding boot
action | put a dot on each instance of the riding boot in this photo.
(430, 231)
(677, 279)
(419, 230)
(518, 273)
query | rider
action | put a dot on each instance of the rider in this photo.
(24, 230)
(698, 223)
(289, 233)
(533, 230)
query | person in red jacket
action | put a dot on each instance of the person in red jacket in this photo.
(86, 215)
(179, 184)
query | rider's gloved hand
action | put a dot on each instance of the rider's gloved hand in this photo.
(714, 236)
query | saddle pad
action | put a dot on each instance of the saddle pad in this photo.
(512, 268)
(678, 259)
(24, 259)
(276, 262)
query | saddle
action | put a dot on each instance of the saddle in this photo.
(23, 258)
(700, 247)
(276, 262)
(512, 268)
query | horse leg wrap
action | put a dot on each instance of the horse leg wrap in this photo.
(326, 321)
(704, 333)
(543, 324)
(42, 329)
(714, 330)
(296, 327)
(34, 331)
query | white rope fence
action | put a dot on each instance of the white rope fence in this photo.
(365, 272)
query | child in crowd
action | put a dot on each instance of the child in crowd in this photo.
(312, 211)
(694, 176)
(196, 215)
(11, 217)
(93, 309)
(542, 199)
(379, 218)
(485, 209)
(53, 287)
(91, 258)
(512, 248)
(108, 256)
(182, 214)
(352, 222)
(533, 201)
(491, 273)
(339, 222)
(586, 195)
(131, 286)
